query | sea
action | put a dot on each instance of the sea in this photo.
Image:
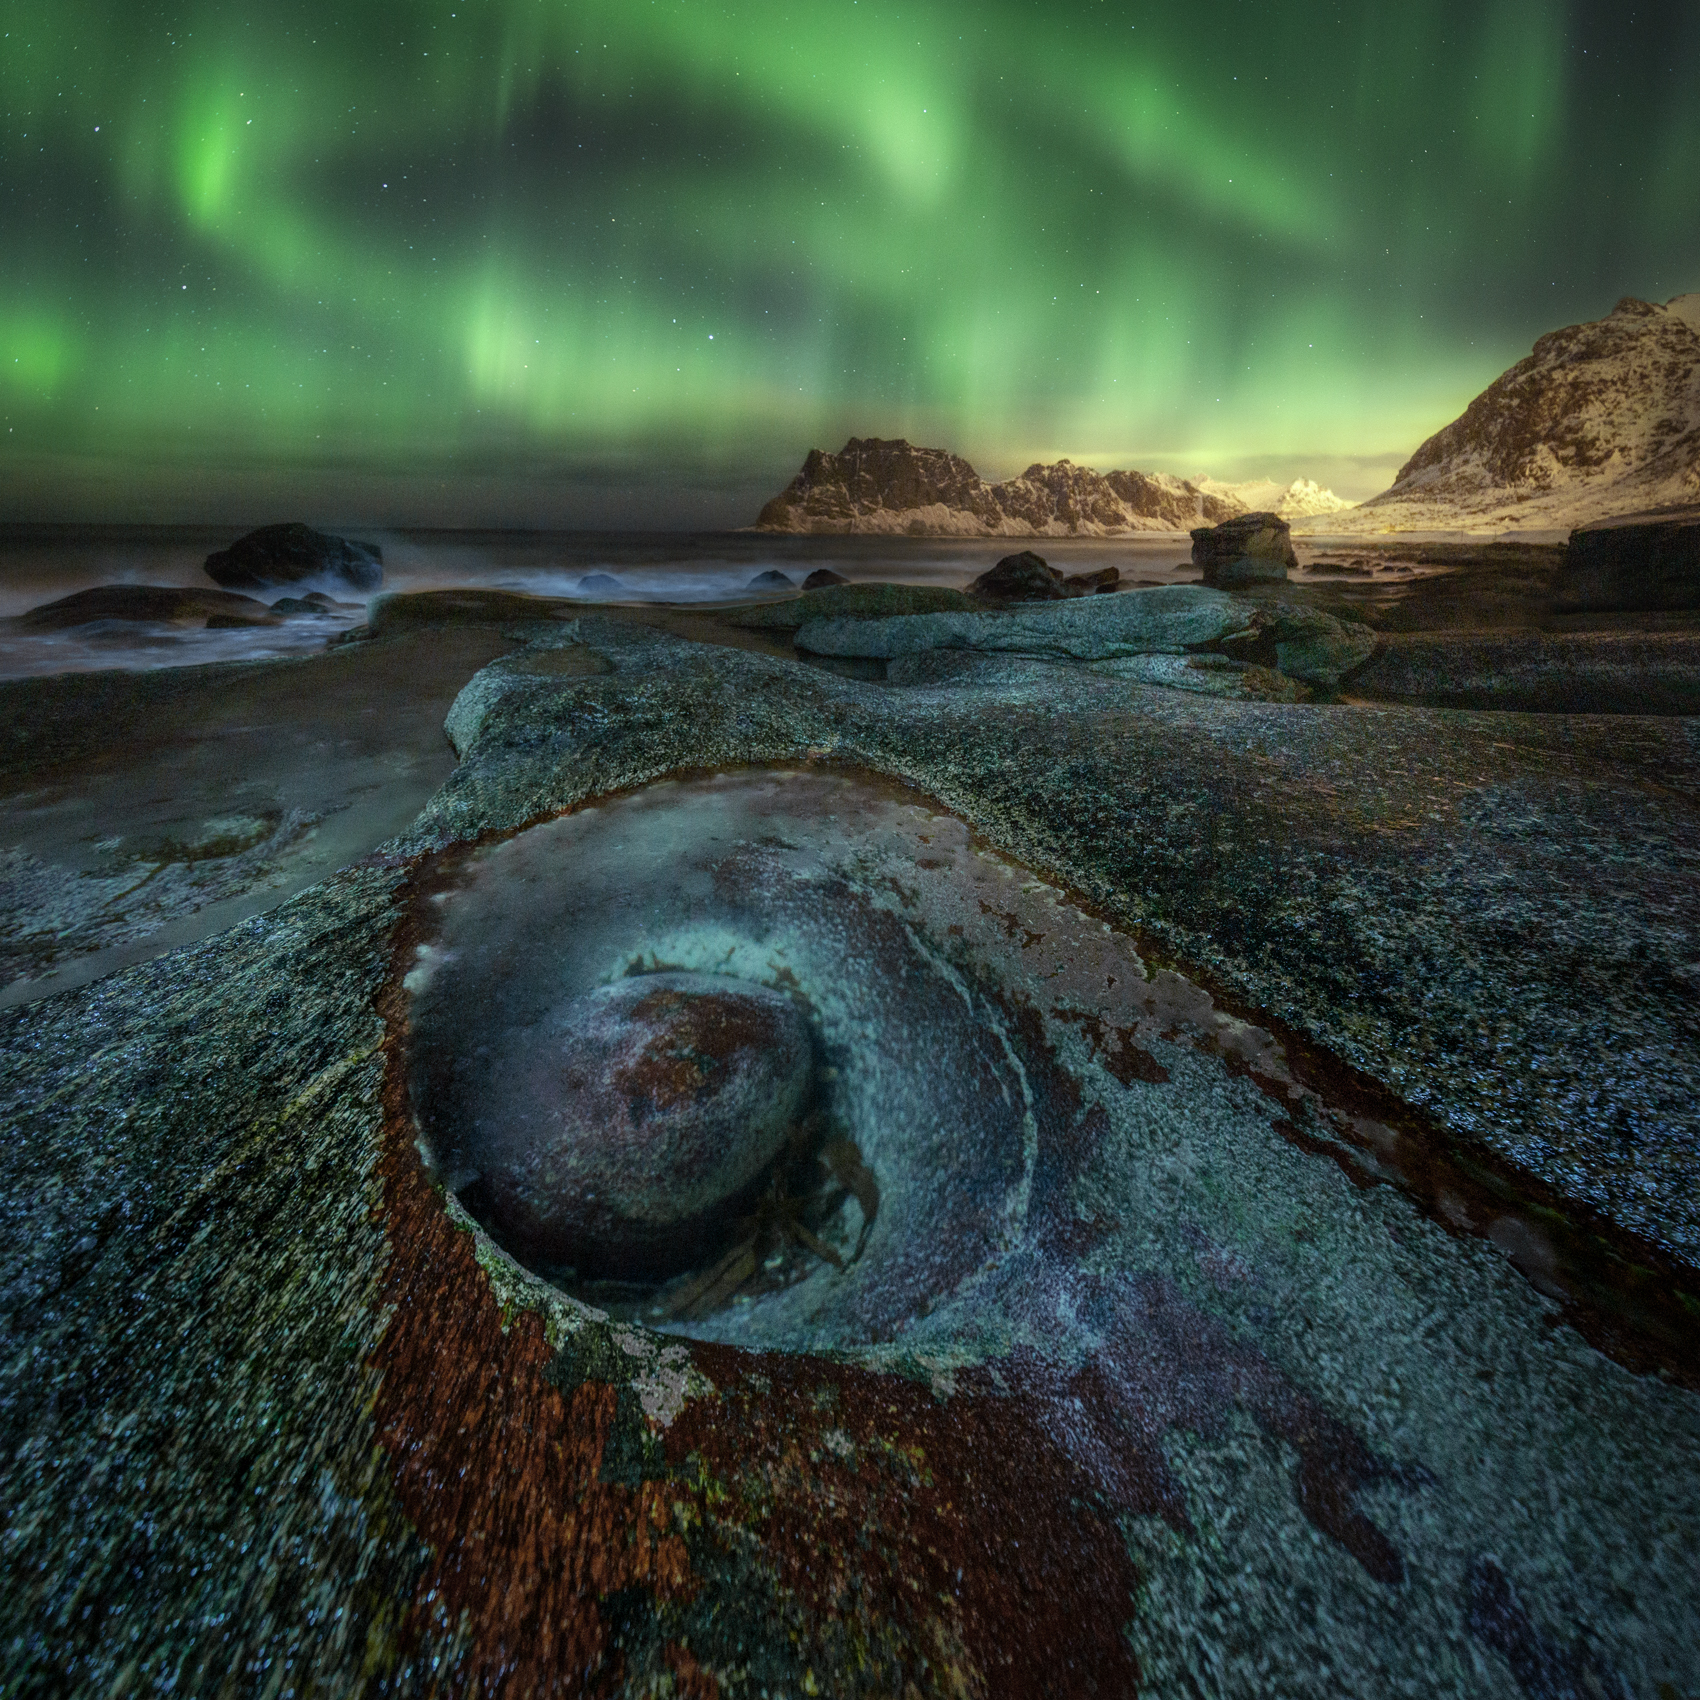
(40, 564)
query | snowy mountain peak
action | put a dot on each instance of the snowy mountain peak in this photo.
(1302, 499)
(1601, 418)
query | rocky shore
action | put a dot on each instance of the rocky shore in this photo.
(1346, 1225)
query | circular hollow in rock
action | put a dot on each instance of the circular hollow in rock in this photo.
(621, 1137)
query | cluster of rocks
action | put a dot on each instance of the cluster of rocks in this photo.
(1030, 578)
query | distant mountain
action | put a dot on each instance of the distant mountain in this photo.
(1301, 499)
(878, 485)
(1601, 419)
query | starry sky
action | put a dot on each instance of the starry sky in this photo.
(623, 262)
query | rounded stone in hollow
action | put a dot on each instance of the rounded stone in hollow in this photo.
(628, 1140)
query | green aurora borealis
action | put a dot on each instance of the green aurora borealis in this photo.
(558, 261)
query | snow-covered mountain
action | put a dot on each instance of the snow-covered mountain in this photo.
(1600, 419)
(878, 485)
(1301, 499)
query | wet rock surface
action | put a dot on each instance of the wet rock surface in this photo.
(1283, 1361)
(145, 602)
(289, 554)
(616, 1133)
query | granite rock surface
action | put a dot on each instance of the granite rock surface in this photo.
(1344, 1209)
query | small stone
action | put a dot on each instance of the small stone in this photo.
(1247, 549)
(629, 1142)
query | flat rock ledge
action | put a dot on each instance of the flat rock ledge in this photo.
(279, 1417)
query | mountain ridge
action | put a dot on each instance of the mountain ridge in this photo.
(1598, 421)
(892, 487)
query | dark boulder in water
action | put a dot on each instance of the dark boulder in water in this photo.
(823, 578)
(287, 554)
(1021, 578)
(153, 602)
(603, 585)
(772, 579)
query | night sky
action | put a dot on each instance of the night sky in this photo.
(593, 261)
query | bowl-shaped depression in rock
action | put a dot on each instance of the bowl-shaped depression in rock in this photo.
(620, 1139)
(912, 1170)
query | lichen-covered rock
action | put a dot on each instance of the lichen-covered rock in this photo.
(1168, 619)
(1247, 549)
(289, 554)
(1303, 643)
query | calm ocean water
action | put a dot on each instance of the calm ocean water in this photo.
(41, 564)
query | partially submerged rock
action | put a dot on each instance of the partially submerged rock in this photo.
(772, 579)
(1247, 549)
(1023, 577)
(822, 578)
(290, 554)
(603, 586)
(152, 602)
(1634, 568)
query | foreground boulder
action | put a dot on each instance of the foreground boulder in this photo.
(288, 554)
(1631, 568)
(1247, 549)
(154, 602)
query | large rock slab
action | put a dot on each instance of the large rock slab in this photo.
(149, 602)
(1260, 1309)
(874, 601)
(1166, 620)
(1633, 568)
(277, 555)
